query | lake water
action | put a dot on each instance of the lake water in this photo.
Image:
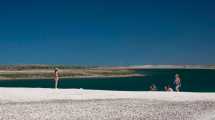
(196, 80)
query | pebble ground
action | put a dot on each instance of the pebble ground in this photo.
(110, 109)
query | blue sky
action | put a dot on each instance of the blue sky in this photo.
(107, 32)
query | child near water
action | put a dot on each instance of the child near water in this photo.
(153, 87)
(168, 88)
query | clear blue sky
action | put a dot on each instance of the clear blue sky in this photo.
(107, 32)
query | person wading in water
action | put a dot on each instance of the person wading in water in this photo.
(56, 77)
(177, 82)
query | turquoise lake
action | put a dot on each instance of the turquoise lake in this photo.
(193, 80)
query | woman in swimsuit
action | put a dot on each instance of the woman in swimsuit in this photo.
(56, 77)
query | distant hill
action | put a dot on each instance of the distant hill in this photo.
(166, 67)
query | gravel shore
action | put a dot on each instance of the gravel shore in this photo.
(76, 104)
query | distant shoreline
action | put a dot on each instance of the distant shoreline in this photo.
(76, 77)
(146, 66)
(18, 72)
(164, 67)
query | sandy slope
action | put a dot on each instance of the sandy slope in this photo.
(77, 104)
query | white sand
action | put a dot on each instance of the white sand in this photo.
(45, 94)
(78, 104)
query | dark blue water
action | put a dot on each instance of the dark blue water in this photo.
(199, 80)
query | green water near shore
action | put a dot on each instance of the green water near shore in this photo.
(193, 80)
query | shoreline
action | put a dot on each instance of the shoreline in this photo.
(75, 77)
(29, 72)
(41, 94)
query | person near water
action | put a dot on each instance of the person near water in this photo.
(153, 87)
(168, 88)
(56, 77)
(177, 83)
(165, 88)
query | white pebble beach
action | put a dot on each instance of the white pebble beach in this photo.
(81, 104)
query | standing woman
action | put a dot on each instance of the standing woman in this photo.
(56, 77)
(177, 82)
